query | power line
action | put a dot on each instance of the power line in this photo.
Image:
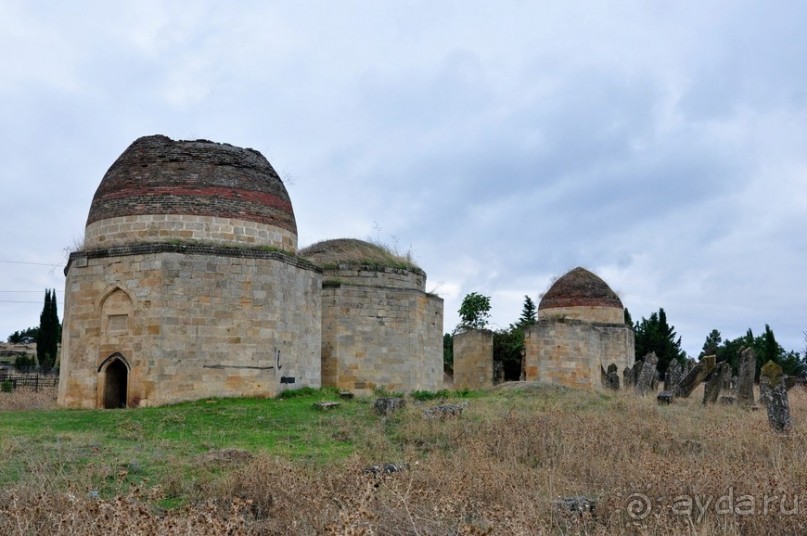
(16, 301)
(28, 291)
(34, 263)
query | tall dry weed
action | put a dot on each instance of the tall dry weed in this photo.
(500, 469)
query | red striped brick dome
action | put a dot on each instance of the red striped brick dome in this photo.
(579, 288)
(156, 175)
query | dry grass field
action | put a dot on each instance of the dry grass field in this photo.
(499, 469)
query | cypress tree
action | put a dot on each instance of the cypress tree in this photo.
(47, 342)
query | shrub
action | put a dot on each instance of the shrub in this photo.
(430, 395)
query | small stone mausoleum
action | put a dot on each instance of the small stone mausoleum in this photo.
(580, 331)
(188, 285)
(379, 326)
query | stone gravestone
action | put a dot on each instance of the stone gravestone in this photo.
(664, 398)
(695, 376)
(388, 405)
(610, 378)
(764, 389)
(645, 382)
(627, 377)
(745, 380)
(655, 382)
(725, 381)
(637, 371)
(712, 388)
(778, 406)
(673, 375)
(613, 377)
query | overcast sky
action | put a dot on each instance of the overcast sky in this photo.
(662, 145)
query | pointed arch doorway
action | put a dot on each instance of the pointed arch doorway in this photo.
(114, 376)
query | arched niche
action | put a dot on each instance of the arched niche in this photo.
(116, 313)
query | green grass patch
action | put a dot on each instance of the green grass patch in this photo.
(183, 449)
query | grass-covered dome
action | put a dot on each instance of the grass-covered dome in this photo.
(353, 252)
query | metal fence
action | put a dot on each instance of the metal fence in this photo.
(36, 381)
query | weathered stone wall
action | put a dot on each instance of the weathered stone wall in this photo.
(473, 359)
(381, 337)
(571, 352)
(588, 313)
(199, 323)
(377, 276)
(175, 227)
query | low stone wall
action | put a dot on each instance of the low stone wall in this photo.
(473, 359)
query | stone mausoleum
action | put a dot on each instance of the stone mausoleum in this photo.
(189, 285)
(369, 294)
(580, 332)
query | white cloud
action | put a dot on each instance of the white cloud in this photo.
(660, 144)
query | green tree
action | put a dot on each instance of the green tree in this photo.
(448, 352)
(507, 347)
(26, 336)
(47, 342)
(528, 313)
(628, 319)
(765, 348)
(508, 344)
(654, 334)
(474, 312)
(711, 344)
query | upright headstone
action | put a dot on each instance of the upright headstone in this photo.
(627, 377)
(778, 406)
(725, 381)
(656, 380)
(610, 377)
(673, 376)
(695, 376)
(745, 380)
(764, 389)
(613, 377)
(712, 388)
(645, 383)
(637, 371)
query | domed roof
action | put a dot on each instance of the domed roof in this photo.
(353, 251)
(579, 288)
(157, 175)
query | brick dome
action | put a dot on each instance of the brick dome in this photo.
(580, 289)
(161, 189)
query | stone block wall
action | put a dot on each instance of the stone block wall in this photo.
(473, 359)
(571, 352)
(190, 323)
(588, 313)
(381, 337)
(377, 276)
(186, 228)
